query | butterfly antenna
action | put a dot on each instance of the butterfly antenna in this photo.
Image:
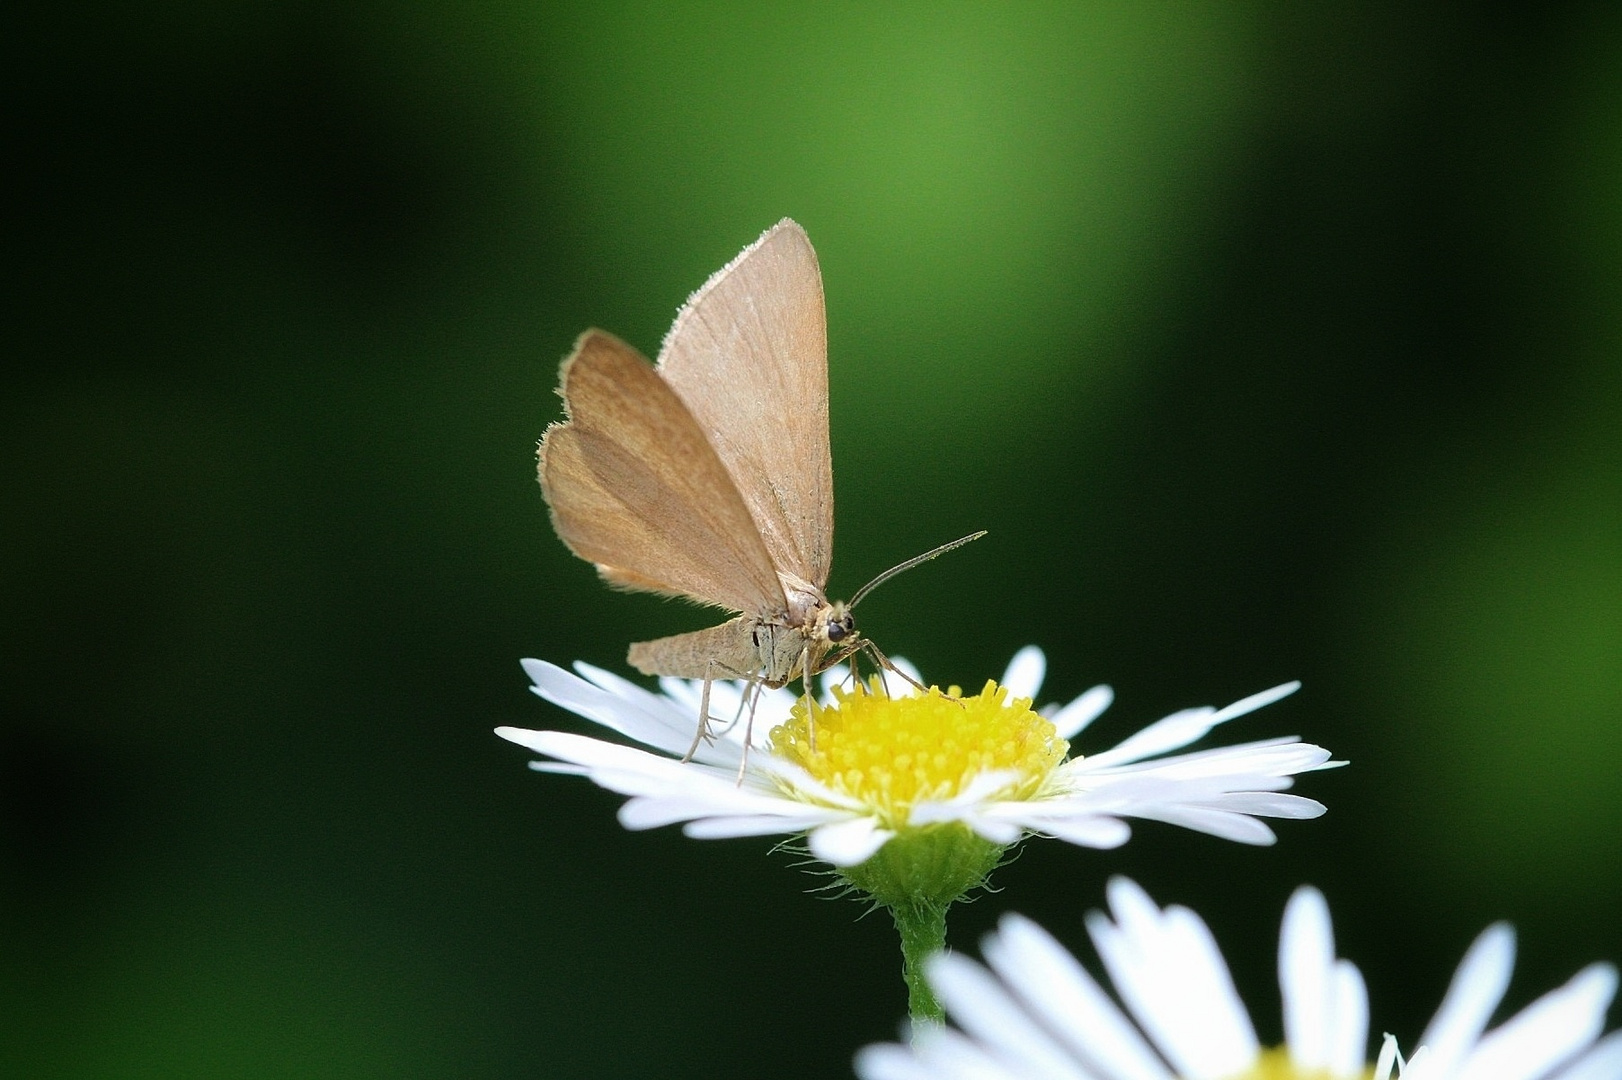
(910, 563)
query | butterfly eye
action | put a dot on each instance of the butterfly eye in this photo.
(842, 628)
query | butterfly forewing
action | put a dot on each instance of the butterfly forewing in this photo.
(636, 488)
(748, 354)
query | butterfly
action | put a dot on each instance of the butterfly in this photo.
(709, 475)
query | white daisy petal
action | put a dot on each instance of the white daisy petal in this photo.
(939, 812)
(1131, 907)
(995, 1020)
(947, 1055)
(1256, 701)
(1181, 728)
(558, 768)
(992, 829)
(985, 786)
(730, 705)
(1477, 988)
(1419, 1066)
(1546, 1033)
(1387, 1059)
(652, 812)
(671, 808)
(849, 842)
(1025, 672)
(640, 715)
(1306, 963)
(1269, 804)
(1602, 1062)
(732, 715)
(682, 692)
(1074, 825)
(1219, 823)
(666, 792)
(1168, 733)
(938, 1059)
(1325, 1002)
(809, 789)
(1074, 718)
(1101, 833)
(607, 680)
(1350, 1033)
(735, 825)
(886, 1061)
(1223, 1035)
(1274, 757)
(596, 754)
(1068, 1002)
(1167, 968)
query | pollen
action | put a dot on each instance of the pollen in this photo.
(1275, 1064)
(892, 753)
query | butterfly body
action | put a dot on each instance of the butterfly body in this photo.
(771, 648)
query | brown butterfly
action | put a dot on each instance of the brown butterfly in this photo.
(710, 477)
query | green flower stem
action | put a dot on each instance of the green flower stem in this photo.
(918, 875)
(922, 926)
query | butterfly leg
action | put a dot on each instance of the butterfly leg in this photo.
(738, 714)
(883, 661)
(810, 701)
(839, 655)
(703, 732)
(851, 652)
(877, 656)
(752, 695)
(703, 728)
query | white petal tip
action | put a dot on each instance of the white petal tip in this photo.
(849, 842)
(1256, 701)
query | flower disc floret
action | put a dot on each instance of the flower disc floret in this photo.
(892, 753)
(1276, 1063)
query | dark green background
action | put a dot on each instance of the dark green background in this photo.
(1269, 341)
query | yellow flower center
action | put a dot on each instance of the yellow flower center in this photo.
(1275, 1064)
(891, 753)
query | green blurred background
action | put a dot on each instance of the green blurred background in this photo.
(1269, 341)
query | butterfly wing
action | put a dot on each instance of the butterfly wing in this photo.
(748, 354)
(636, 488)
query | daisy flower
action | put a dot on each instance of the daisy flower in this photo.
(871, 763)
(1033, 1011)
(913, 797)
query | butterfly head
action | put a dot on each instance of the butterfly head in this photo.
(835, 624)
